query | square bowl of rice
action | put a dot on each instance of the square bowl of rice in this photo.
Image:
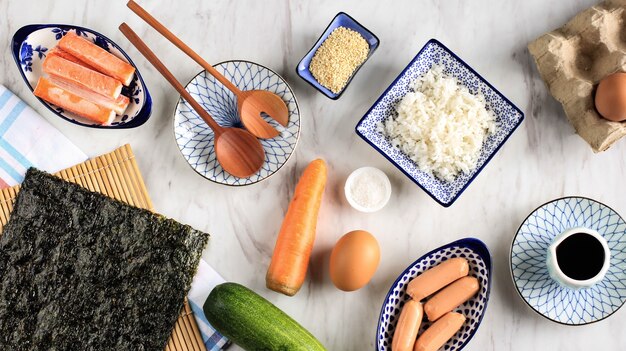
(439, 122)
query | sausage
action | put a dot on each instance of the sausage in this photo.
(450, 297)
(439, 332)
(437, 277)
(408, 326)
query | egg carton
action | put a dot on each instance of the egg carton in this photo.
(574, 58)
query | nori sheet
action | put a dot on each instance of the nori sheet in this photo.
(82, 271)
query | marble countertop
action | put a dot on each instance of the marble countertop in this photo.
(543, 160)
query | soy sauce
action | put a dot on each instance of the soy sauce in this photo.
(580, 256)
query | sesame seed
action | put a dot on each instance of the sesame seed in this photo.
(338, 57)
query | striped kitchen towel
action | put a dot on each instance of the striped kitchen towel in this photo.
(28, 140)
(205, 280)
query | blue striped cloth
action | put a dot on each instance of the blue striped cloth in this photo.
(28, 140)
(203, 282)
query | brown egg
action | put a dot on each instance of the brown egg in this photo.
(611, 97)
(354, 260)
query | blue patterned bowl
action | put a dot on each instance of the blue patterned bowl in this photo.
(30, 44)
(342, 19)
(508, 118)
(479, 258)
(195, 138)
(530, 272)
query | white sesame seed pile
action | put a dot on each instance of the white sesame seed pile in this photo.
(338, 57)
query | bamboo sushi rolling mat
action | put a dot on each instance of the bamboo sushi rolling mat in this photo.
(116, 175)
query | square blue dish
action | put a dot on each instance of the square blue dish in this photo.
(342, 19)
(508, 118)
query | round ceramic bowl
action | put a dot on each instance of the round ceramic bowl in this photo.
(195, 138)
(479, 258)
(531, 275)
(29, 46)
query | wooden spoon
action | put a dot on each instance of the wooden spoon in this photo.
(239, 152)
(250, 103)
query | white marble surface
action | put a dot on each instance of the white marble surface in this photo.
(543, 160)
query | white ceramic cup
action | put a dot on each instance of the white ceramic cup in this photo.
(555, 270)
(359, 172)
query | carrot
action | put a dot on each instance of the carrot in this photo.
(289, 263)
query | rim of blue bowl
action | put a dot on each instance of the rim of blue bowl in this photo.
(16, 43)
(295, 99)
(330, 94)
(519, 293)
(476, 245)
(453, 200)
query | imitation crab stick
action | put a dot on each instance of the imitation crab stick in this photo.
(450, 297)
(82, 76)
(98, 58)
(437, 277)
(292, 252)
(52, 93)
(408, 326)
(118, 105)
(56, 51)
(433, 338)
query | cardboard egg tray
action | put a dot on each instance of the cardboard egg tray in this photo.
(574, 58)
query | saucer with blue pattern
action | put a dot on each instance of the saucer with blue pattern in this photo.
(195, 138)
(530, 273)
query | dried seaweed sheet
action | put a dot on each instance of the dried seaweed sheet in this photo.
(81, 271)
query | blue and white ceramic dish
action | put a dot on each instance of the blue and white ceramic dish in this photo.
(479, 258)
(508, 118)
(30, 44)
(530, 272)
(342, 19)
(195, 138)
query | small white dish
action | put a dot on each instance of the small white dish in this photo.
(555, 270)
(373, 173)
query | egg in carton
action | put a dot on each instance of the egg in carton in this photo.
(574, 58)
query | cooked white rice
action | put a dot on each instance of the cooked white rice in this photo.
(440, 125)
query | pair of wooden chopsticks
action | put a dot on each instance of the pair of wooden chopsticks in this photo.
(145, 50)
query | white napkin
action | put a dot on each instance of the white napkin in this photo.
(28, 140)
(205, 280)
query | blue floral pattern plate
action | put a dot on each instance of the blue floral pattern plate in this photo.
(30, 45)
(508, 118)
(195, 138)
(530, 272)
(479, 258)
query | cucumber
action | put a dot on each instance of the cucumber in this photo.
(253, 323)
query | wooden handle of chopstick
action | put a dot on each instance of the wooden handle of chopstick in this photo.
(154, 60)
(147, 17)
